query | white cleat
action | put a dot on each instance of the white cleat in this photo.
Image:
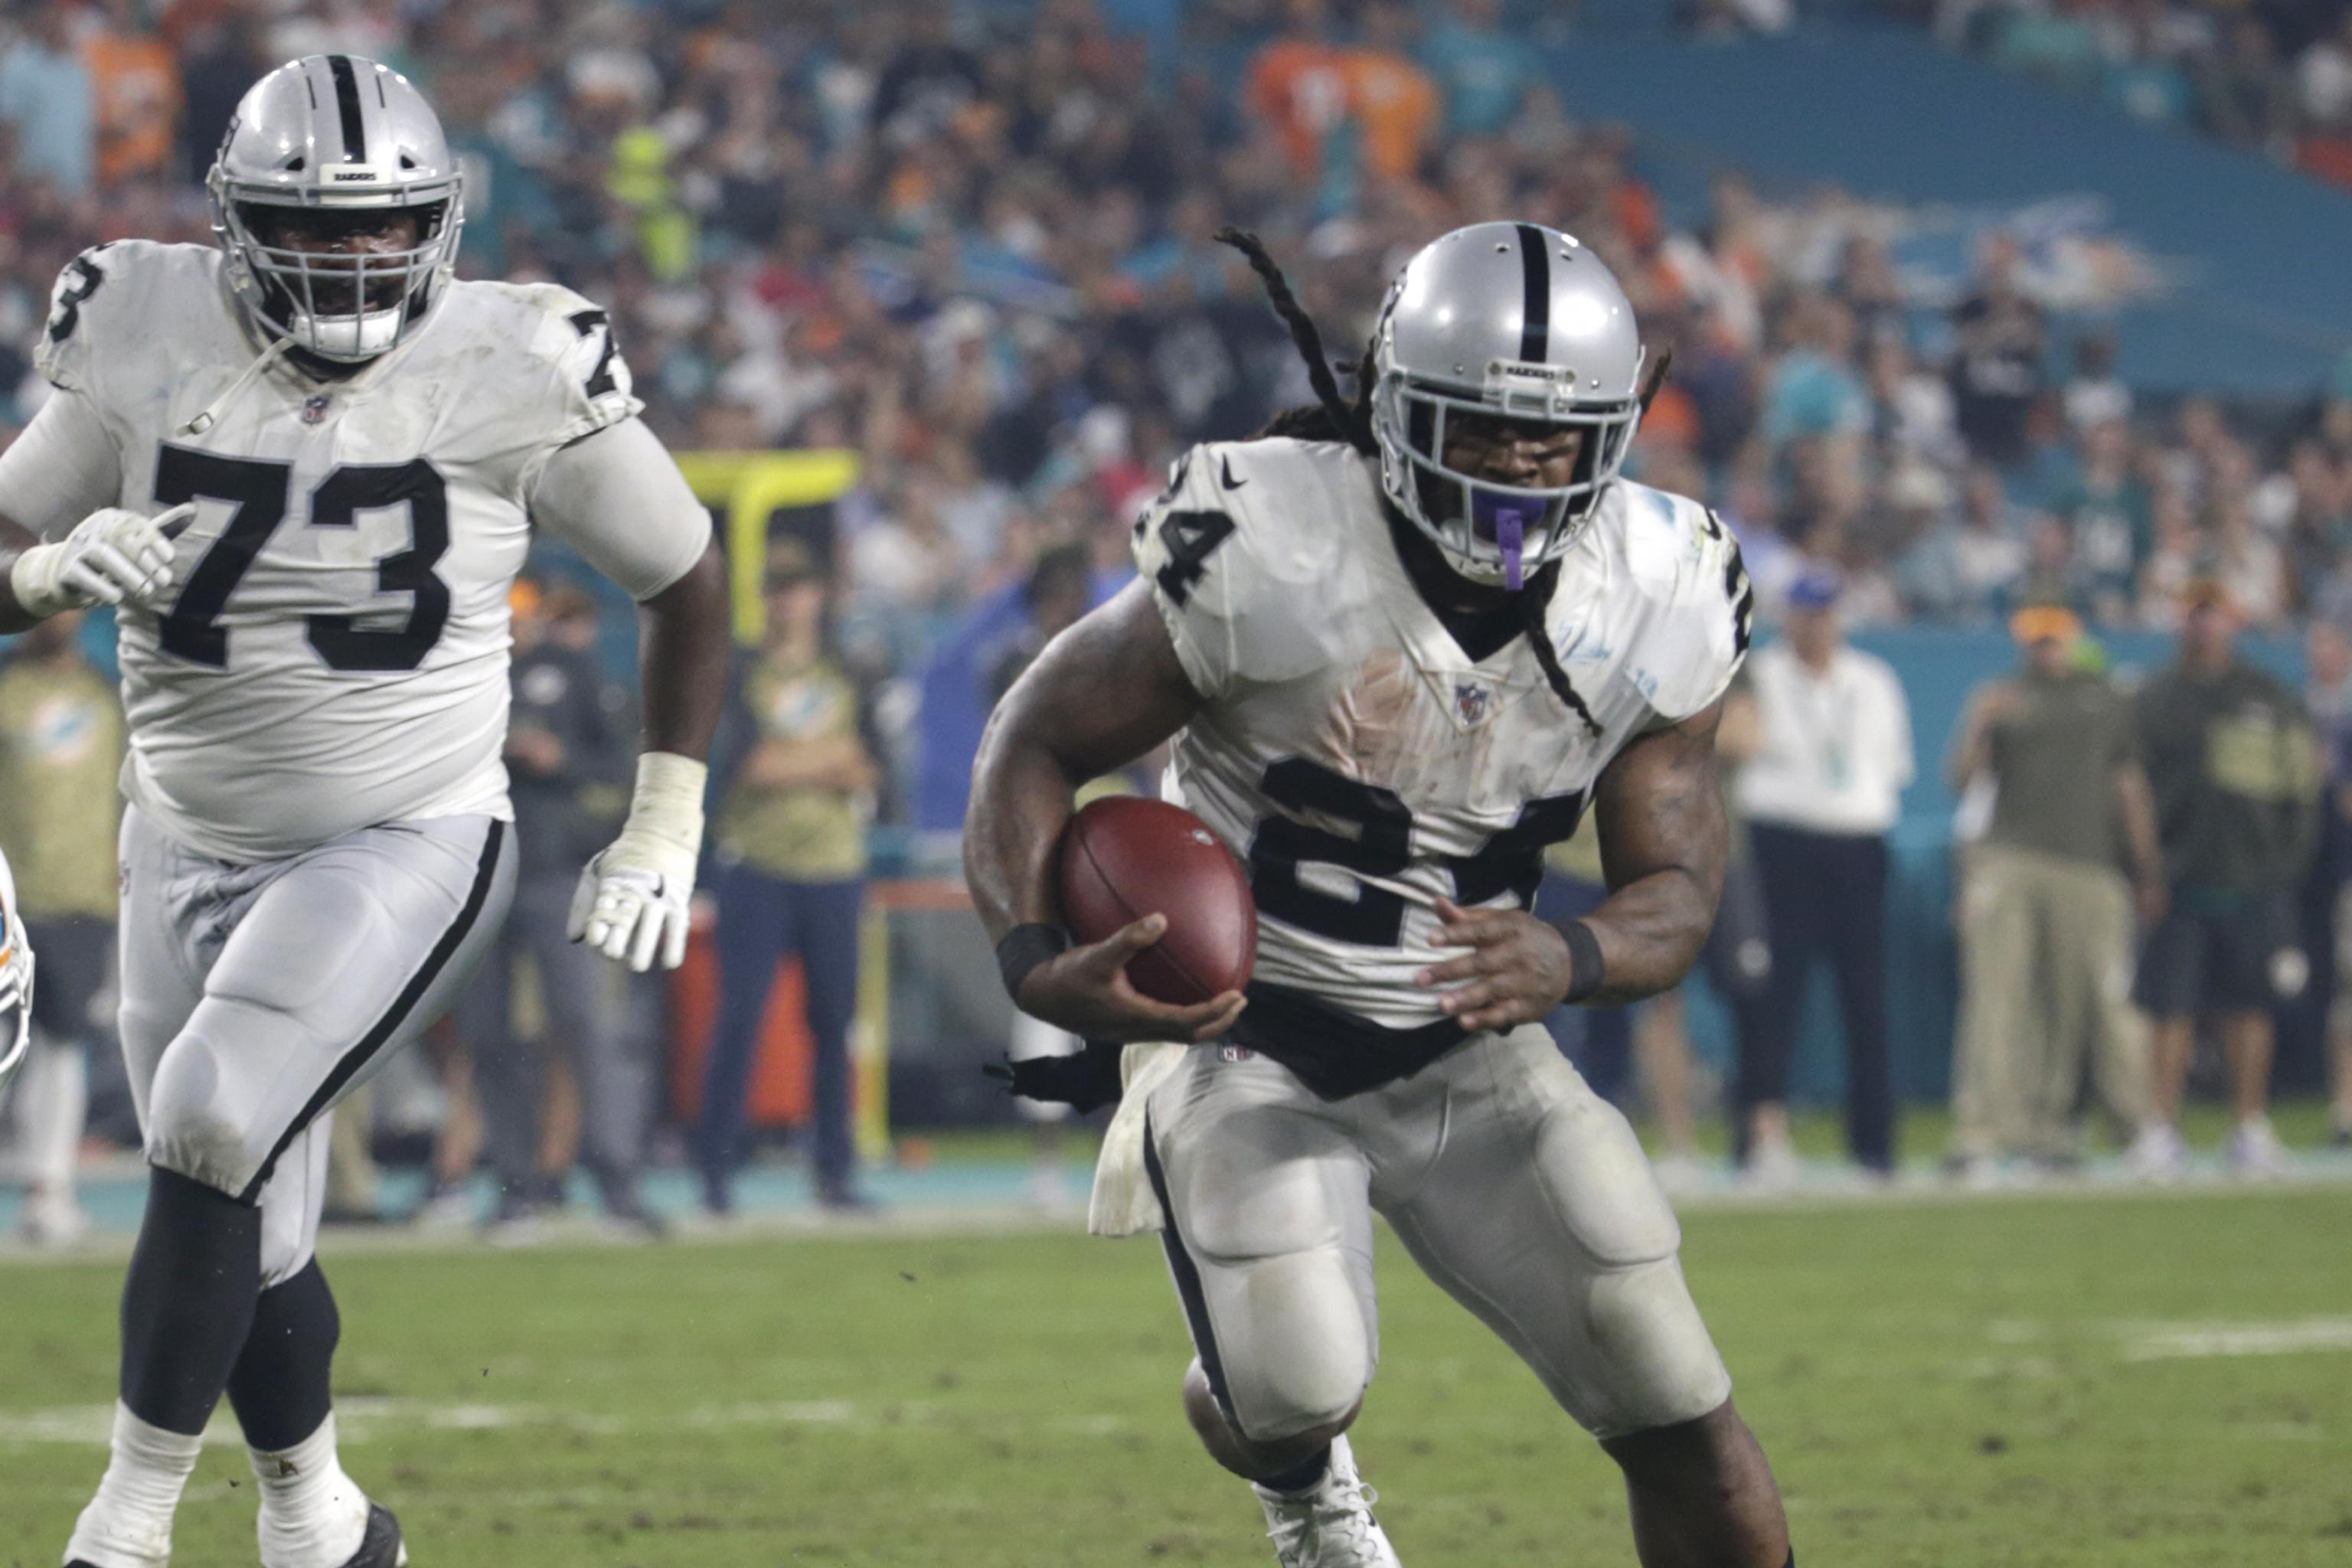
(2255, 1151)
(1332, 1526)
(2157, 1153)
(1772, 1166)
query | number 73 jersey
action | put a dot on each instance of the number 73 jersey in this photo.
(333, 653)
(1358, 758)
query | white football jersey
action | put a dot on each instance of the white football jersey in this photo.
(333, 653)
(1355, 758)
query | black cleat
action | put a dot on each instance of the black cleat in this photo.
(381, 1546)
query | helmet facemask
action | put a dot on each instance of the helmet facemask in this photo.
(1492, 533)
(347, 305)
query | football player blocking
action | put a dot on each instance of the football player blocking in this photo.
(305, 467)
(1399, 646)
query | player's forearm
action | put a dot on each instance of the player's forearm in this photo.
(1650, 931)
(684, 665)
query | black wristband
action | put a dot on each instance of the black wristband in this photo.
(1585, 969)
(1025, 947)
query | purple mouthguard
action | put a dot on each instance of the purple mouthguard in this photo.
(1511, 535)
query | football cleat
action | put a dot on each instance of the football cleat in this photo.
(1330, 1526)
(381, 1547)
(2156, 1153)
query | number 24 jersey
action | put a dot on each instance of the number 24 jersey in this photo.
(1350, 750)
(333, 651)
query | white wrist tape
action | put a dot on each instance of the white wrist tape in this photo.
(667, 803)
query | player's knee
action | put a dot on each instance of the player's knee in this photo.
(1664, 1370)
(1311, 1356)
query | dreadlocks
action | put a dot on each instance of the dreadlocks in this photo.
(1331, 418)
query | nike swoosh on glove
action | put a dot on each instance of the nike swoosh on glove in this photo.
(113, 555)
(631, 903)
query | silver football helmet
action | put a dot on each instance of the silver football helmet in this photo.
(1521, 322)
(312, 145)
(16, 983)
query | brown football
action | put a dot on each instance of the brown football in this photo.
(1124, 858)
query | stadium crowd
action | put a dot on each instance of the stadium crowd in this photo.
(2275, 76)
(972, 243)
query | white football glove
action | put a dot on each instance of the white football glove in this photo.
(113, 555)
(630, 903)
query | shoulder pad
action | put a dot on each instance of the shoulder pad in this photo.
(117, 306)
(568, 338)
(1700, 608)
(1244, 529)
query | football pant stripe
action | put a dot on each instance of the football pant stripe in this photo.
(359, 1056)
(1535, 317)
(1187, 1274)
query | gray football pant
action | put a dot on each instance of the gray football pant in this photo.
(1516, 1188)
(256, 997)
(585, 1007)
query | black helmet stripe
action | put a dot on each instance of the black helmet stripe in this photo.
(1535, 320)
(347, 100)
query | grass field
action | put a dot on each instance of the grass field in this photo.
(2045, 1381)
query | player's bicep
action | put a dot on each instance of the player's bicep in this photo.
(1104, 692)
(617, 498)
(1660, 807)
(62, 468)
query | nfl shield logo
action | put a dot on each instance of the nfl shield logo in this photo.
(315, 409)
(1470, 701)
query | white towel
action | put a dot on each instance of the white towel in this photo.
(1123, 1202)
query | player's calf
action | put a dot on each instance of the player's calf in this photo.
(1703, 1495)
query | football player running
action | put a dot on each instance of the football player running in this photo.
(306, 465)
(1400, 645)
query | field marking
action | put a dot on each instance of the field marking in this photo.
(2198, 1340)
(362, 1417)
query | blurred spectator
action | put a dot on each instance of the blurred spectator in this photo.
(2096, 395)
(2235, 769)
(1998, 367)
(2327, 667)
(1482, 69)
(1822, 790)
(1393, 103)
(791, 869)
(1298, 86)
(61, 741)
(1737, 962)
(2108, 514)
(136, 79)
(48, 98)
(567, 745)
(2045, 917)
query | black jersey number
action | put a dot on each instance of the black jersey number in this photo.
(1191, 538)
(600, 380)
(80, 281)
(257, 492)
(1381, 844)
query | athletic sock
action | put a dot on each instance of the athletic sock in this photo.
(312, 1515)
(50, 1106)
(129, 1523)
(188, 1301)
(1301, 1478)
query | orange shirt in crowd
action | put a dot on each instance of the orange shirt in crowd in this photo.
(1397, 106)
(1299, 88)
(136, 84)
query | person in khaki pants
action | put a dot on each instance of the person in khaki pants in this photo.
(2046, 918)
